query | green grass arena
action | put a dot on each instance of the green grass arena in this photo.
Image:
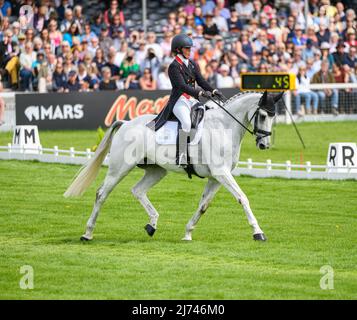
(309, 224)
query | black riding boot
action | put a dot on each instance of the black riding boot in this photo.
(182, 159)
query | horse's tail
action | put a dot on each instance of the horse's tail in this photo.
(89, 171)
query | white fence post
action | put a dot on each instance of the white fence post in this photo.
(268, 164)
(55, 151)
(88, 153)
(288, 165)
(72, 152)
(250, 164)
(308, 166)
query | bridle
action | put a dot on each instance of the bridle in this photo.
(259, 133)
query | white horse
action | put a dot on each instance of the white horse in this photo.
(128, 149)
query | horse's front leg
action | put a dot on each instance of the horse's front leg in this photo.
(210, 190)
(228, 181)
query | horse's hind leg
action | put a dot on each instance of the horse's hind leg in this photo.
(153, 174)
(209, 192)
(113, 177)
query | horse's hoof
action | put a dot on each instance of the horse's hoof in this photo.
(186, 239)
(150, 230)
(259, 237)
(85, 239)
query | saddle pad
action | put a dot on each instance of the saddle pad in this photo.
(167, 134)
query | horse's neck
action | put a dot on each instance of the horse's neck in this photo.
(242, 108)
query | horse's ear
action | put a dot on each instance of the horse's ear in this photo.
(278, 96)
(264, 99)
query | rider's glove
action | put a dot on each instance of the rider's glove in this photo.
(217, 93)
(205, 94)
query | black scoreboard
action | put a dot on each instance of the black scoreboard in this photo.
(268, 81)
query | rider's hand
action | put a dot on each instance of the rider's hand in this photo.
(217, 93)
(205, 94)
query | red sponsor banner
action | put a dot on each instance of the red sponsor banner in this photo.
(130, 108)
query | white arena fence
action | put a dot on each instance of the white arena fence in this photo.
(255, 169)
(347, 103)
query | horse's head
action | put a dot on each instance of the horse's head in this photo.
(263, 119)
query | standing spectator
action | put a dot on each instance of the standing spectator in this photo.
(324, 76)
(303, 91)
(27, 59)
(147, 82)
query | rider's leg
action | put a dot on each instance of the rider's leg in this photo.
(183, 114)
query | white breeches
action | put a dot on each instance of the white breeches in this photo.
(182, 111)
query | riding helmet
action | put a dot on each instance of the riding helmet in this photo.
(180, 41)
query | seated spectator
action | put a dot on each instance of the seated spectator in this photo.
(224, 80)
(59, 79)
(324, 76)
(107, 83)
(299, 39)
(114, 69)
(72, 84)
(73, 32)
(9, 61)
(303, 91)
(99, 59)
(340, 56)
(67, 22)
(351, 59)
(245, 9)
(210, 29)
(152, 63)
(220, 21)
(163, 82)
(2, 106)
(244, 48)
(106, 42)
(5, 7)
(114, 10)
(129, 65)
(234, 24)
(147, 82)
(27, 59)
(325, 54)
(42, 74)
(132, 81)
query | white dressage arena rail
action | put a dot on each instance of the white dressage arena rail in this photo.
(266, 169)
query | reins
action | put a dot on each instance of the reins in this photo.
(252, 132)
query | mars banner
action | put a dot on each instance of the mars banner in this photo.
(88, 110)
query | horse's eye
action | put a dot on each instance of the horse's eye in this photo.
(262, 117)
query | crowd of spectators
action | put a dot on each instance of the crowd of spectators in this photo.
(60, 48)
